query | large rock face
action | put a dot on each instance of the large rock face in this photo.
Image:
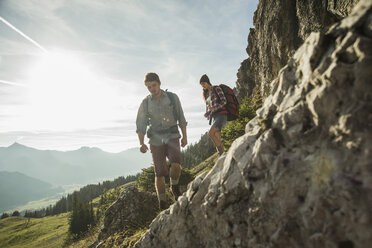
(280, 28)
(301, 176)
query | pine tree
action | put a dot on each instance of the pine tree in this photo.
(16, 213)
(82, 216)
(74, 218)
(4, 215)
(146, 179)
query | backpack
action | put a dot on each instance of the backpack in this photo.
(232, 104)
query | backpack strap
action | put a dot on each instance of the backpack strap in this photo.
(173, 103)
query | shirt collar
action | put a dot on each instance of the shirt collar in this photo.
(162, 94)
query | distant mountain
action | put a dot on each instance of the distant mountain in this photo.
(17, 188)
(82, 166)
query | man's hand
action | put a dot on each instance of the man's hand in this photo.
(184, 141)
(144, 148)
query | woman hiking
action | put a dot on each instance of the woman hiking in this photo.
(216, 112)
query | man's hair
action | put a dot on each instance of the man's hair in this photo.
(204, 78)
(152, 76)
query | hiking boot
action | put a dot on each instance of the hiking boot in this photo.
(163, 205)
(220, 150)
(176, 191)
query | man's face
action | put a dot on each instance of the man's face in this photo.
(153, 87)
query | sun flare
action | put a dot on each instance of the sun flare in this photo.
(66, 94)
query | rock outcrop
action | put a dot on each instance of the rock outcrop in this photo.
(280, 28)
(301, 175)
(132, 210)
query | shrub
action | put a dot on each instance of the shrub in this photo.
(146, 180)
(236, 128)
(4, 215)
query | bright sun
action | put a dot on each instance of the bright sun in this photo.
(66, 95)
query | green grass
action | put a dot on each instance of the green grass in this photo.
(52, 231)
(49, 231)
(206, 165)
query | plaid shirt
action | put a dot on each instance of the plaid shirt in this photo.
(217, 101)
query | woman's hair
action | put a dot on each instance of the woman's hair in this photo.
(151, 76)
(205, 79)
(205, 94)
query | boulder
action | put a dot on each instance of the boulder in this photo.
(131, 211)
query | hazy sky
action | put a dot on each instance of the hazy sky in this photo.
(71, 71)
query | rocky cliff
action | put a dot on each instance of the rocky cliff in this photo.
(280, 28)
(301, 175)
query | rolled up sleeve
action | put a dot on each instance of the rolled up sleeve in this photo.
(182, 120)
(141, 121)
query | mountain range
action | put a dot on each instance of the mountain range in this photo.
(17, 188)
(82, 166)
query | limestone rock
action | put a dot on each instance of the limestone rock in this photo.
(280, 28)
(301, 175)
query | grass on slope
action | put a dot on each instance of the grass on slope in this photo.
(206, 165)
(49, 231)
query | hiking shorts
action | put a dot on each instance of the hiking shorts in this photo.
(171, 150)
(219, 121)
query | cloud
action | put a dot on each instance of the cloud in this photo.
(120, 41)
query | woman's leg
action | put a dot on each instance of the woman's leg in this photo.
(215, 135)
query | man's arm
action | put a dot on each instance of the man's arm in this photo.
(181, 117)
(181, 121)
(143, 146)
(184, 136)
(141, 127)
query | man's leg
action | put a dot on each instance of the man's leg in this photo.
(160, 188)
(161, 170)
(175, 173)
(174, 156)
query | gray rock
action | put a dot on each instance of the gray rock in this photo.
(304, 178)
(280, 29)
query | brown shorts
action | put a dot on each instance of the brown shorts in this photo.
(171, 150)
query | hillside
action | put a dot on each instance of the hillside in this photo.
(17, 188)
(82, 166)
(44, 232)
(52, 231)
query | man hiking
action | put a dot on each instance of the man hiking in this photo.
(160, 113)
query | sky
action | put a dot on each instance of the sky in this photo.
(71, 71)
